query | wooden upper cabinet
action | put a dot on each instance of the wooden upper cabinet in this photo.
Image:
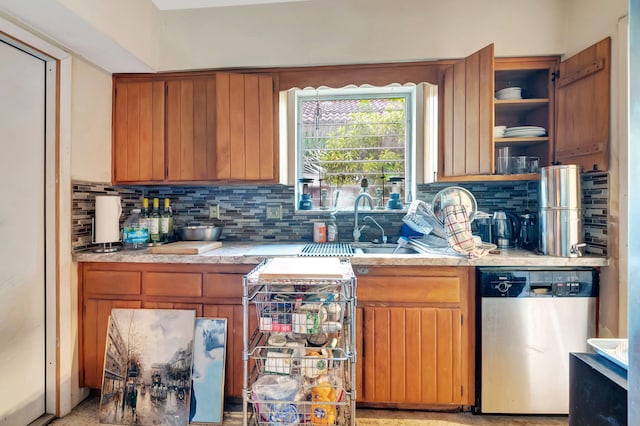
(138, 131)
(191, 129)
(570, 99)
(245, 137)
(467, 147)
(583, 95)
(194, 128)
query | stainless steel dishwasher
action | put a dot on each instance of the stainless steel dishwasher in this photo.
(528, 322)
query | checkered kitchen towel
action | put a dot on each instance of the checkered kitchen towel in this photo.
(458, 227)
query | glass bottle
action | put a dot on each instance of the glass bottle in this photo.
(144, 216)
(166, 222)
(154, 222)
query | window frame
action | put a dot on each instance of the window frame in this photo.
(408, 92)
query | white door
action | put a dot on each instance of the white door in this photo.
(22, 230)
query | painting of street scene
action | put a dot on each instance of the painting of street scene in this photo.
(147, 367)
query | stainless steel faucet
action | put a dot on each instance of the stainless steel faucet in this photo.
(367, 197)
(384, 237)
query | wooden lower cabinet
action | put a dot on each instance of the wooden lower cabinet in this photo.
(415, 339)
(211, 290)
(415, 325)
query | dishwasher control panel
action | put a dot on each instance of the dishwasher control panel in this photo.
(507, 282)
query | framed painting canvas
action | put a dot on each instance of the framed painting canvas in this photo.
(147, 367)
(209, 348)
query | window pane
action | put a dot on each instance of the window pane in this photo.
(346, 140)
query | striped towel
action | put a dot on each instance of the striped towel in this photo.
(456, 222)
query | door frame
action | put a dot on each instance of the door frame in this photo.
(59, 318)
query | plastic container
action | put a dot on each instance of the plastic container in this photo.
(319, 232)
(332, 229)
(135, 233)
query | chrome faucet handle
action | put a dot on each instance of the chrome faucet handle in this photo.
(575, 249)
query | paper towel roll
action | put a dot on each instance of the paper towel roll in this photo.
(107, 224)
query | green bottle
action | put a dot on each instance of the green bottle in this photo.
(144, 216)
(154, 222)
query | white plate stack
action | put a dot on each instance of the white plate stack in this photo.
(498, 131)
(509, 93)
(524, 132)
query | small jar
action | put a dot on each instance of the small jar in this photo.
(319, 232)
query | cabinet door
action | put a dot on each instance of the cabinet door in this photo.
(233, 368)
(468, 116)
(583, 96)
(244, 124)
(412, 355)
(191, 134)
(138, 131)
(94, 329)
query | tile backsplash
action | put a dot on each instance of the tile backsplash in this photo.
(243, 209)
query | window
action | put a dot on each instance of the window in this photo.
(354, 139)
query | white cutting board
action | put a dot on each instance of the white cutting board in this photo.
(185, 247)
(302, 267)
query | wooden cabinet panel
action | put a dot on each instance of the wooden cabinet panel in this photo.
(468, 116)
(112, 282)
(412, 356)
(175, 284)
(411, 290)
(191, 134)
(94, 333)
(244, 127)
(583, 103)
(138, 131)
(223, 286)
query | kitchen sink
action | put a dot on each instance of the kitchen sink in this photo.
(384, 249)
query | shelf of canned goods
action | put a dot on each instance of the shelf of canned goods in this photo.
(299, 356)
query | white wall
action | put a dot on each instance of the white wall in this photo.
(355, 31)
(91, 123)
(128, 23)
(587, 22)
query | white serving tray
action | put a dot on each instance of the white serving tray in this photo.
(611, 349)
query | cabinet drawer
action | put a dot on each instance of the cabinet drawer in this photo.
(172, 284)
(223, 286)
(112, 282)
(409, 289)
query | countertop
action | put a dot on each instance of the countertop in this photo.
(254, 252)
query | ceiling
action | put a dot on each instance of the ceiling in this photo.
(195, 4)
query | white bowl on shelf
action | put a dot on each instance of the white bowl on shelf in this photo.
(509, 93)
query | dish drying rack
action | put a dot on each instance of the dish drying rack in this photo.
(421, 218)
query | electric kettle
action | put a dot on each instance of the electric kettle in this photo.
(506, 229)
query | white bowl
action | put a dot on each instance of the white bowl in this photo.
(509, 93)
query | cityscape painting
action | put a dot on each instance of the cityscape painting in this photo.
(147, 367)
(207, 398)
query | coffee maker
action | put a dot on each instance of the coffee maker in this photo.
(528, 231)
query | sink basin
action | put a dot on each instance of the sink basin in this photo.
(385, 249)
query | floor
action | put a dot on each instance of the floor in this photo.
(86, 414)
